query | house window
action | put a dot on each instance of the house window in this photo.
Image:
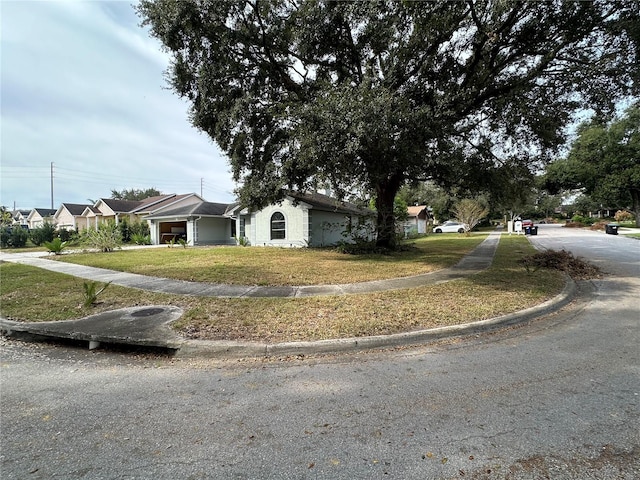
(243, 233)
(278, 226)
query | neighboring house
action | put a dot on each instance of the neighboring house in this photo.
(110, 209)
(69, 216)
(202, 223)
(605, 213)
(417, 220)
(37, 216)
(301, 220)
(20, 217)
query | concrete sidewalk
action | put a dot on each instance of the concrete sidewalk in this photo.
(149, 325)
(479, 259)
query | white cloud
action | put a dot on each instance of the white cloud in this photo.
(82, 87)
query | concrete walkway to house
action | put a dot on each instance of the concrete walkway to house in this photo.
(150, 325)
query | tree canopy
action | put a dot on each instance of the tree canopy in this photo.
(372, 94)
(134, 194)
(604, 162)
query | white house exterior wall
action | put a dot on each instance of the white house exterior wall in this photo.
(327, 227)
(296, 221)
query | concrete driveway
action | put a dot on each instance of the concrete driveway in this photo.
(557, 398)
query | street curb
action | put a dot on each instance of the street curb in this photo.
(231, 349)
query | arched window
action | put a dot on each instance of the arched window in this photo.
(278, 226)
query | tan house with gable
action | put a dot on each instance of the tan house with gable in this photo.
(38, 216)
(107, 209)
(417, 219)
(70, 216)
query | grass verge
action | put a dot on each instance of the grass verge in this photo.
(28, 293)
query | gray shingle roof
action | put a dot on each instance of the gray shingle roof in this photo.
(205, 209)
(121, 206)
(329, 204)
(45, 212)
(75, 208)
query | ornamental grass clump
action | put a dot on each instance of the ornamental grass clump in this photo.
(91, 292)
(106, 237)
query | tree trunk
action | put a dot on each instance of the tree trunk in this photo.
(635, 205)
(386, 191)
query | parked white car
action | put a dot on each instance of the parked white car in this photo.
(450, 226)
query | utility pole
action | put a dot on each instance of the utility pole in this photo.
(51, 185)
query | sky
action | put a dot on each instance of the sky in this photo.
(82, 88)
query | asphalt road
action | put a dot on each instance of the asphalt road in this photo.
(557, 398)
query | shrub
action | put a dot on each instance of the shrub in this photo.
(13, 237)
(623, 216)
(586, 221)
(243, 241)
(106, 237)
(5, 236)
(140, 239)
(67, 235)
(43, 233)
(139, 228)
(124, 229)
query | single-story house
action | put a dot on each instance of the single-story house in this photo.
(69, 216)
(301, 220)
(417, 219)
(37, 216)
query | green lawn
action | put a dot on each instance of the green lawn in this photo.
(28, 293)
(278, 266)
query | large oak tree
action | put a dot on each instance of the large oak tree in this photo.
(372, 94)
(604, 162)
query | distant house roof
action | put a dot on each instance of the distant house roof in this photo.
(121, 206)
(153, 204)
(417, 210)
(74, 209)
(44, 212)
(147, 205)
(20, 215)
